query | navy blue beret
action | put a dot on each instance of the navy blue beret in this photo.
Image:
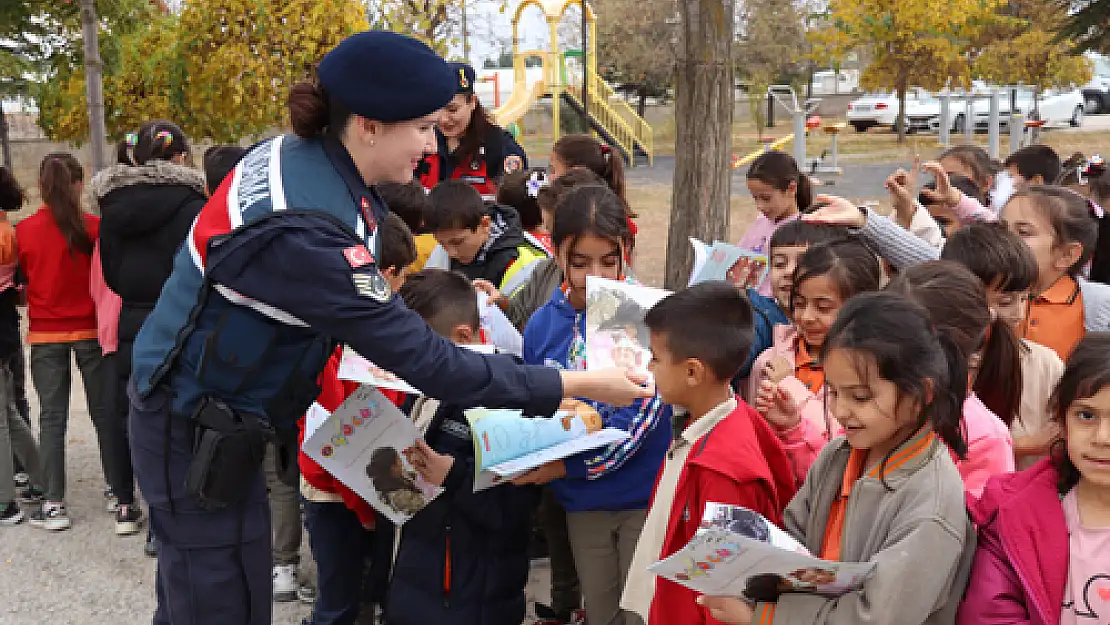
(387, 76)
(464, 77)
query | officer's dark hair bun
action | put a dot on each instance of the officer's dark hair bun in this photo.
(308, 110)
(313, 113)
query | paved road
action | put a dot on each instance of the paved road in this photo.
(859, 180)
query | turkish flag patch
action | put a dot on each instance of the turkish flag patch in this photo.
(358, 256)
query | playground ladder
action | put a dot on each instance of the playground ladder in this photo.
(613, 118)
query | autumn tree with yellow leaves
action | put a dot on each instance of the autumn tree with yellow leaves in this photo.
(221, 69)
(923, 42)
(1027, 48)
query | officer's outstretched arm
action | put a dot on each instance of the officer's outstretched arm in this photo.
(312, 267)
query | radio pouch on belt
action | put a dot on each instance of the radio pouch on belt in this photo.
(228, 449)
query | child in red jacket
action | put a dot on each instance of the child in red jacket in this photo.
(339, 522)
(726, 452)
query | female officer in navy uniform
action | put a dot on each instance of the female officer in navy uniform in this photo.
(469, 146)
(279, 268)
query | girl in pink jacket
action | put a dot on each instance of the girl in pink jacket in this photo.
(787, 383)
(957, 302)
(1043, 556)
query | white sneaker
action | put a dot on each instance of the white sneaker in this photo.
(285, 583)
(52, 518)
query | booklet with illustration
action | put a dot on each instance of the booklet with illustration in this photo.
(737, 552)
(615, 330)
(364, 444)
(497, 330)
(355, 368)
(723, 261)
(508, 444)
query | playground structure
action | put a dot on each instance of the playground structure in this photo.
(804, 121)
(608, 115)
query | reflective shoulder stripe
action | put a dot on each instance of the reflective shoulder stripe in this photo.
(276, 314)
(520, 272)
(537, 243)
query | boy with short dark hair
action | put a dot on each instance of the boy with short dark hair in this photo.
(463, 559)
(481, 241)
(725, 453)
(410, 203)
(219, 160)
(397, 250)
(1033, 164)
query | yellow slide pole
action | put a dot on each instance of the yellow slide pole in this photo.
(774, 145)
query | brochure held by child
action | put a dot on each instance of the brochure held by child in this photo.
(723, 261)
(615, 330)
(737, 552)
(508, 444)
(365, 444)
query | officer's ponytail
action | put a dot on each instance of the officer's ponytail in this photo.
(312, 112)
(585, 151)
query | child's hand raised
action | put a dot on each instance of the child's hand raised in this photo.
(900, 185)
(945, 193)
(836, 211)
(777, 406)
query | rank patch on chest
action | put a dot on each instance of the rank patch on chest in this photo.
(372, 284)
(512, 163)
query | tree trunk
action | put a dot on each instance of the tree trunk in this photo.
(703, 114)
(641, 106)
(94, 92)
(900, 119)
(5, 139)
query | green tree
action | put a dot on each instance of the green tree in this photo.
(635, 46)
(221, 70)
(239, 59)
(1031, 51)
(770, 45)
(910, 43)
(436, 22)
(1087, 24)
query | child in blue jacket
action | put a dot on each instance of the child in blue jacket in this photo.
(605, 492)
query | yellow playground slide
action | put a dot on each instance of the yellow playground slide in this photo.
(519, 102)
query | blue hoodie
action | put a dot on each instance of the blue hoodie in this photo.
(618, 477)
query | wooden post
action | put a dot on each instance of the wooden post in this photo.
(703, 113)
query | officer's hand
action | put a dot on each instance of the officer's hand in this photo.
(495, 296)
(610, 386)
(431, 465)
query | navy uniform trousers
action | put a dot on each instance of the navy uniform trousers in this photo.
(218, 564)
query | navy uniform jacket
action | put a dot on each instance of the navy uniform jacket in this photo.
(276, 271)
(500, 154)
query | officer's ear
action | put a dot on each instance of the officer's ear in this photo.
(485, 222)
(365, 130)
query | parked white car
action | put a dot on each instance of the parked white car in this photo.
(1056, 108)
(880, 109)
